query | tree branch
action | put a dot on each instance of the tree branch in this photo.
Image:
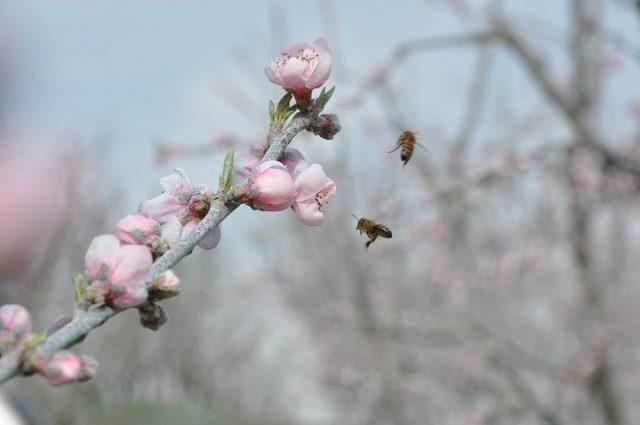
(535, 66)
(86, 320)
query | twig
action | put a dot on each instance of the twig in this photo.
(85, 320)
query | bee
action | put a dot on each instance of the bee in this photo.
(406, 143)
(372, 229)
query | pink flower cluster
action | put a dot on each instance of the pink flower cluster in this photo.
(116, 265)
(62, 368)
(291, 182)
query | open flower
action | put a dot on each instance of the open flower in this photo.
(183, 200)
(313, 190)
(15, 325)
(246, 163)
(294, 161)
(300, 67)
(65, 367)
(271, 187)
(116, 272)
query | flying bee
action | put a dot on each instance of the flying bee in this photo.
(372, 229)
(406, 143)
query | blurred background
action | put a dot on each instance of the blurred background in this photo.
(508, 294)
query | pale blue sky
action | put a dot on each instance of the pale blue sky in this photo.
(133, 72)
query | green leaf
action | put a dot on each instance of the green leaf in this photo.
(79, 285)
(227, 172)
(272, 111)
(283, 105)
(323, 98)
(35, 340)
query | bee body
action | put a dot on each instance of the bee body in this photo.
(406, 143)
(373, 230)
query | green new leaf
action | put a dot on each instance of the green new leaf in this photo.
(283, 105)
(323, 98)
(79, 286)
(227, 172)
(281, 112)
(35, 340)
(272, 111)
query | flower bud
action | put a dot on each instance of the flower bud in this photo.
(152, 316)
(271, 187)
(116, 272)
(15, 325)
(65, 367)
(166, 286)
(137, 229)
(326, 126)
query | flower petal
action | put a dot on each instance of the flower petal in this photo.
(294, 161)
(171, 231)
(162, 208)
(293, 74)
(135, 294)
(177, 183)
(308, 213)
(294, 48)
(322, 46)
(273, 72)
(103, 250)
(320, 73)
(133, 263)
(310, 182)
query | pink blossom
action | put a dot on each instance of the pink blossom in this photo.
(294, 161)
(65, 367)
(15, 324)
(30, 208)
(167, 285)
(272, 187)
(185, 201)
(137, 229)
(300, 67)
(313, 190)
(245, 164)
(116, 272)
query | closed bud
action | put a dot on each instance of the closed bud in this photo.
(152, 316)
(64, 367)
(15, 325)
(166, 286)
(326, 126)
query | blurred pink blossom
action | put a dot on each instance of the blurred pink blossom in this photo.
(272, 187)
(246, 162)
(65, 367)
(313, 190)
(30, 207)
(15, 324)
(116, 272)
(185, 201)
(300, 67)
(294, 161)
